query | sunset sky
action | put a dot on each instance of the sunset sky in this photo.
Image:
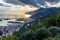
(9, 8)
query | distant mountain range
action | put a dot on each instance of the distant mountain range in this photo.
(44, 13)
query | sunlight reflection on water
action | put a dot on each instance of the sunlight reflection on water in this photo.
(5, 22)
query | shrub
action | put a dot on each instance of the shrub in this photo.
(10, 38)
(54, 30)
(30, 35)
(57, 37)
(42, 33)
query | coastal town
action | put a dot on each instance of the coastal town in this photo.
(8, 25)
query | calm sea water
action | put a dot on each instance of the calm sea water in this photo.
(5, 22)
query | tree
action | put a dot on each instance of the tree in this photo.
(42, 33)
(53, 21)
(54, 30)
(30, 35)
(50, 22)
(58, 20)
(57, 37)
(10, 38)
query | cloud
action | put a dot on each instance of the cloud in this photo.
(12, 9)
(8, 7)
(53, 1)
(56, 5)
(53, 5)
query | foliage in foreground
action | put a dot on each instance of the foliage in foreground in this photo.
(10, 38)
